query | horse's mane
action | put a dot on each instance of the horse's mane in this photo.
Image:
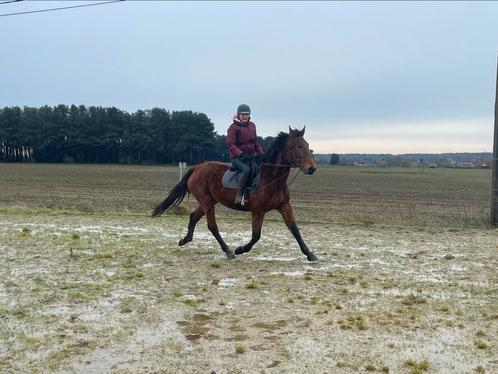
(275, 147)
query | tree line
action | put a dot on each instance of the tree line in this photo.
(108, 135)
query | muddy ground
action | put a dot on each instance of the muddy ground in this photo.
(114, 293)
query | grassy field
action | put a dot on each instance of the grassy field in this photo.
(406, 281)
(442, 197)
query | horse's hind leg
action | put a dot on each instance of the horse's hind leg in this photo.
(213, 227)
(195, 216)
(257, 222)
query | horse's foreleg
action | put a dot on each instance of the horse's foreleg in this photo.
(195, 216)
(257, 222)
(288, 215)
(213, 227)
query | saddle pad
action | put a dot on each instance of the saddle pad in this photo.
(231, 179)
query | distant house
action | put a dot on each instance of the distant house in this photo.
(360, 163)
(447, 163)
(467, 165)
(482, 163)
(381, 163)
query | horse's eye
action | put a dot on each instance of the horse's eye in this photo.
(299, 146)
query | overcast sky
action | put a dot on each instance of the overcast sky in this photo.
(363, 77)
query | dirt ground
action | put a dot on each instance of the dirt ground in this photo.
(393, 196)
(114, 293)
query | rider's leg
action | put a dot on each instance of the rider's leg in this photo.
(246, 171)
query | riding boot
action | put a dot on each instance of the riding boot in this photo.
(241, 188)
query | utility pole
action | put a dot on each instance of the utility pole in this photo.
(494, 178)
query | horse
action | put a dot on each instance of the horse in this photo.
(203, 181)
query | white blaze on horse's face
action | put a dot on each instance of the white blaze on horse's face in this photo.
(301, 155)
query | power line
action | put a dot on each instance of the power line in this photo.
(60, 8)
(10, 1)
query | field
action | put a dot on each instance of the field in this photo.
(406, 281)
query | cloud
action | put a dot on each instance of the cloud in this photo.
(429, 136)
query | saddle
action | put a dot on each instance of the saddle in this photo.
(232, 175)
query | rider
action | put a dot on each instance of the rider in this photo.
(242, 145)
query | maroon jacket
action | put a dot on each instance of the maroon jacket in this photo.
(242, 139)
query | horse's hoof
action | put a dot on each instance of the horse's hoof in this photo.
(312, 257)
(230, 254)
(183, 242)
(239, 250)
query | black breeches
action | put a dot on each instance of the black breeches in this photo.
(242, 166)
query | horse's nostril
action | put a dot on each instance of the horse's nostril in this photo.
(311, 171)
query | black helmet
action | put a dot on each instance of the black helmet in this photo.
(243, 108)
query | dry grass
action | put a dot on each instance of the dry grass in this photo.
(441, 197)
(90, 283)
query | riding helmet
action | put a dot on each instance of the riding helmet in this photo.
(243, 108)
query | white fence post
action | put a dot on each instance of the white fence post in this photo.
(183, 167)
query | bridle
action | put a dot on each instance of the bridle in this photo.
(295, 163)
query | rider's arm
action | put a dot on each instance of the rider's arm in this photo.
(232, 142)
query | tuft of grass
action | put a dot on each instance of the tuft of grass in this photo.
(413, 299)
(384, 369)
(102, 255)
(353, 322)
(193, 302)
(481, 344)
(308, 277)
(370, 367)
(252, 285)
(417, 367)
(177, 293)
(290, 300)
(479, 369)
(215, 265)
(361, 325)
(75, 236)
(31, 340)
(444, 309)
(240, 349)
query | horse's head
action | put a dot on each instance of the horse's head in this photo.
(297, 152)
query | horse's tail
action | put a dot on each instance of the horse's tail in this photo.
(176, 195)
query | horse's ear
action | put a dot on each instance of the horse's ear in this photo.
(294, 133)
(301, 133)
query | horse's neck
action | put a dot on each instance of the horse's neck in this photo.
(275, 172)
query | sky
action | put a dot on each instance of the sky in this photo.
(363, 77)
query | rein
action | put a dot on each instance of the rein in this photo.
(277, 179)
(280, 165)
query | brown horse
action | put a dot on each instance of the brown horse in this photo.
(204, 182)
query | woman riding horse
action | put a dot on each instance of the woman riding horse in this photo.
(203, 181)
(242, 146)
